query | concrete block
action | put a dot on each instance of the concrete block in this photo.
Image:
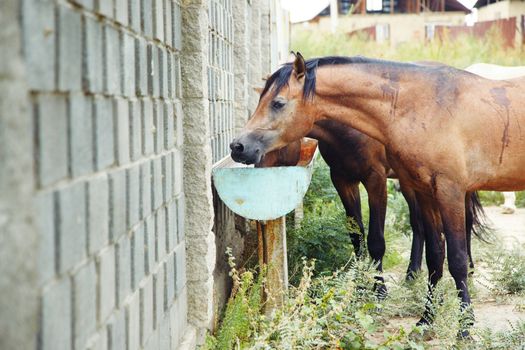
(137, 259)
(69, 49)
(123, 268)
(122, 130)
(147, 308)
(81, 128)
(99, 341)
(45, 224)
(117, 204)
(153, 70)
(160, 218)
(153, 342)
(163, 73)
(128, 64)
(169, 128)
(165, 334)
(177, 77)
(71, 226)
(141, 67)
(112, 64)
(167, 178)
(56, 314)
(177, 172)
(51, 141)
(168, 25)
(84, 304)
(158, 122)
(133, 197)
(179, 118)
(105, 8)
(121, 12)
(150, 256)
(180, 266)
(147, 127)
(117, 330)
(107, 283)
(177, 26)
(135, 125)
(181, 211)
(134, 15)
(145, 189)
(178, 317)
(172, 225)
(147, 18)
(92, 56)
(171, 277)
(104, 133)
(133, 322)
(157, 183)
(159, 286)
(168, 220)
(98, 213)
(38, 23)
(158, 19)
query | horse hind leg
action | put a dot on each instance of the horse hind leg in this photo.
(451, 202)
(418, 237)
(434, 248)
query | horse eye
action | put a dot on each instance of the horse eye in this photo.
(277, 105)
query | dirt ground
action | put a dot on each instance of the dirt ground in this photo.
(491, 312)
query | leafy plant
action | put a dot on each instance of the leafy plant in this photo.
(508, 270)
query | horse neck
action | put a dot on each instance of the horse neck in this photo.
(365, 99)
(322, 133)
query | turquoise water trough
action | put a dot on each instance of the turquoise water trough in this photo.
(265, 193)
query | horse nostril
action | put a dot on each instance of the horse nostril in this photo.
(236, 147)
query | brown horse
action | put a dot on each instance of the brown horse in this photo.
(447, 132)
(355, 158)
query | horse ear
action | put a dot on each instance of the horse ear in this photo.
(299, 66)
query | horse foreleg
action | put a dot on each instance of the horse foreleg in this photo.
(375, 185)
(435, 249)
(418, 237)
(451, 202)
(348, 191)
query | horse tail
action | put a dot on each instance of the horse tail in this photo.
(481, 227)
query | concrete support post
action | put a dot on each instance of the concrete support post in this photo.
(200, 240)
(18, 237)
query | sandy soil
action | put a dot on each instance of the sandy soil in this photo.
(491, 312)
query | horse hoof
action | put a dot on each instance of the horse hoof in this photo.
(464, 334)
(410, 277)
(423, 322)
(381, 291)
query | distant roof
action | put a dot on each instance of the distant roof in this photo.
(305, 10)
(454, 5)
(481, 3)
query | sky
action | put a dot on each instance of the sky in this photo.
(303, 10)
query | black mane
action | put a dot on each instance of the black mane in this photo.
(280, 77)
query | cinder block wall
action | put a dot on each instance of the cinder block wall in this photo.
(114, 114)
(105, 89)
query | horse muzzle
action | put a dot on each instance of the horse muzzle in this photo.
(246, 150)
